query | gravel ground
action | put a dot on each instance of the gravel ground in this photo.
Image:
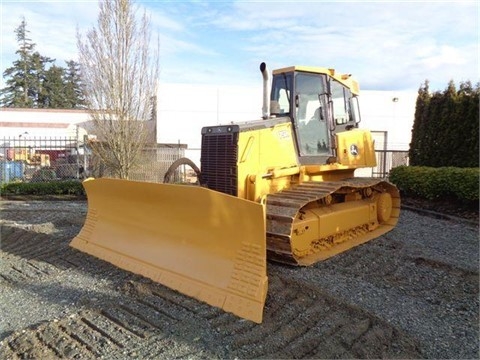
(412, 293)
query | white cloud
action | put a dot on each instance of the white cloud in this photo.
(171, 46)
(386, 45)
(162, 21)
(444, 55)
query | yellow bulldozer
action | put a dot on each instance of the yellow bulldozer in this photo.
(280, 188)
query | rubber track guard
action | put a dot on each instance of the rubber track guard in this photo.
(200, 242)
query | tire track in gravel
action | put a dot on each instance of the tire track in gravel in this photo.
(32, 255)
(308, 323)
(300, 322)
(41, 231)
(22, 260)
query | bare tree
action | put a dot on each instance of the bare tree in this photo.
(119, 71)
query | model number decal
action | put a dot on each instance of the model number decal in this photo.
(283, 134)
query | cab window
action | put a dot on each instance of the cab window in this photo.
(311, 114)
(342, 111)
(281, 94)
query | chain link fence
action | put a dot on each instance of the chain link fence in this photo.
(152, 165)
(40, 159)
(48, 159)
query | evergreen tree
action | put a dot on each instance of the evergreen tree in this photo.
(468, 100)
(417, 147)
(53, 93)
(431, 144)
(34, 81)
(20, 76)
(75, 97)
(38, 73)
(446, 127)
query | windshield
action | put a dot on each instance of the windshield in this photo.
(311, 114)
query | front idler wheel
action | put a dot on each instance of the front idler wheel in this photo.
(384, 207)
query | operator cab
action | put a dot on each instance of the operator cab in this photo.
(319, 103)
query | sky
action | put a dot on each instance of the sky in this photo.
(385, 45)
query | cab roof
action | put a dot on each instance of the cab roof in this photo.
(345, 79)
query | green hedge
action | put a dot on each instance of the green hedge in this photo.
(70, 187)
(437, 183)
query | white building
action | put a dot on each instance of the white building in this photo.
(392, 112)
(54, 123)
(183, 109)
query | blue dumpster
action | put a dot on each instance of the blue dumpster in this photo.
(11, 170)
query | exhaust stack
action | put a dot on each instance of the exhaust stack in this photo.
(265, 110)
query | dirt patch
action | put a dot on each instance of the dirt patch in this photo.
(450, 207)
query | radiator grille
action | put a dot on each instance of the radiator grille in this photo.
(219, 159)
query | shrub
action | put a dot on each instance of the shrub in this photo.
(437, 183)
(70, 187)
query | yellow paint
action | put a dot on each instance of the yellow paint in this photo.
(345, 79)
(200, 242)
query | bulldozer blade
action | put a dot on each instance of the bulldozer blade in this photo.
(200, 242)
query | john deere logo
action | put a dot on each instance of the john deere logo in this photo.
(354, 150)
